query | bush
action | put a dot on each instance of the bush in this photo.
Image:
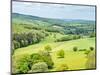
(87, 52)
(39, 67)
(47, 58)
(20, 63)
(16, 44)
(35, 58)
(62, 67)
(48, 48)
(92, 35)
(91, 48)
(64, 38)
(76, 37)
(23, 63)
(67, 38)
(82, 49)
(75, 49)
(60, 54)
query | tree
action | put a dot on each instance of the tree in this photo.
(60, 54)
(25, 42)
(92, 35)
(48, 48)
(47, 58)
(87, 52)
(39, 67)
(91, 48)
(75, 49)
(22, 43)
(20, 63)
(16, 44)
(35, 58)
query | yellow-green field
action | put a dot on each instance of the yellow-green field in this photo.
(74, 60)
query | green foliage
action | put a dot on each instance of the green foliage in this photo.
(60, 53)
(91, 64)
(87, 52)
(76, 37)
(20, 64)
(29, 30)
(75, 49)
(39, 67)
(16, 44)
(91, 48)
(82, 49)
(12, 49)
(92, 35)
(67, 38)
(47, 58)
(48, 48)
(35, 58)
(25, 39)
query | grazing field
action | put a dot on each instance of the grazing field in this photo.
(74, 60)
(67, 45)
(46, 45)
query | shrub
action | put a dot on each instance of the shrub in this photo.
(92, 35)
(48, 48)
(75, 49)
(60, 54)
(87, 52)
(91, 48)
(76, 37)
(64, 38)
(23, 63)
(67, 38)
(20, 63)
(47, 58)
(62, 67)
(82, 49)
(16, 44)
(39, 67)
(35, 58)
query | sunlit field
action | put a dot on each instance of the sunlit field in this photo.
(53, 42)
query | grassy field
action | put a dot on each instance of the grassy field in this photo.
(74, 60)
(45, 44)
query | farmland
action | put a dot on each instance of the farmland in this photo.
(53, 44)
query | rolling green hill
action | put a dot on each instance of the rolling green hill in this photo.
(53, 44)
(57, 25)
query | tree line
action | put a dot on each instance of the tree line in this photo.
(24, 39)
(30, 63)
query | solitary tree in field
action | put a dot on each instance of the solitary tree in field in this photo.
(48, 48)
(91, 48)
(60, 54)
(75, 49)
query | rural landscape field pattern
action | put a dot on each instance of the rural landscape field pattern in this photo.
(41, 44)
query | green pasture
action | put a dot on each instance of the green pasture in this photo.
(74, 60)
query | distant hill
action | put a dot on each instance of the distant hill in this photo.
(30, 18)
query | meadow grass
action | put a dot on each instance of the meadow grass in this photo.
(74, 60)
